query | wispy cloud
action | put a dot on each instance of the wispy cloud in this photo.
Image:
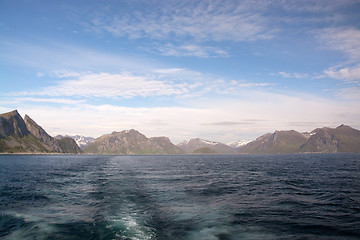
(231, 123)
(191, 50)
(293, 75)
(349, 74)
(55, 58)
(106, 85)
(343, 39)
(347, 41)
(352, 93)
(202, 118)
(21, 100)
(197, 20)
(159, 82)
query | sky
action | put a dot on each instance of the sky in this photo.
(219, 70)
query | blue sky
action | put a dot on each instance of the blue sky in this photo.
(219, 70)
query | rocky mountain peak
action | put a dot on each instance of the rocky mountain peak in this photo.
(25, 135)
(12, 124)
(40, 133)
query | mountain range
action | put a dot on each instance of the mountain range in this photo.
(131, 142)
(18, 135)
(320, 140)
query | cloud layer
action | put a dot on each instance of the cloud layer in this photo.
(197, 20)
(221, 70)
(220, 120)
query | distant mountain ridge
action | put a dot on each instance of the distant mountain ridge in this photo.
(198, 143)
(238, 144)
(81, 141)
(205, 150)
(18, 135)
(131, 142)
(320, 140)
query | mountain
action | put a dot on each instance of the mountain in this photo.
(15, 137)
(131, 142)
(68, 145)
(205, 150)
(81, 141)
(12, 124)
(278, 142)
(196, 143)
(238, 144)
(340, 139)
(50, 142)
(18, 135)
(321, 140)
(64, 145)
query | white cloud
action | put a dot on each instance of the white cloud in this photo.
(60, 60)
(169, 70)
(175, 82)
(318, 6)
(48, 100)
(350, 74)
(65, 74)
(260, 111)
(343, 39)
(352, 93)
(293, 75)
(199, 21)
(347, 41)
(40, 74)
(106, 85)
(191, 50)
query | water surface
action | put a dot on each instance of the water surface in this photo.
(299, 196)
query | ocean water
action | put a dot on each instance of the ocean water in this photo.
(298, 196)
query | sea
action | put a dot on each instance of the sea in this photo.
(190, 197)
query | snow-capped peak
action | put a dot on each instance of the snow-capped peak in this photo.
(208, 142)
(238, 144)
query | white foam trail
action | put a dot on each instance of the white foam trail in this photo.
(128, 227)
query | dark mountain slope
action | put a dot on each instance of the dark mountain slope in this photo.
(12, 124)
(340, 139)
(278, 142)
(64, 145)
(16, 138)
(50, 142)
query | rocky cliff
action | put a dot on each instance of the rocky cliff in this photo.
(18, 135)
(12, 124)
(50, 142)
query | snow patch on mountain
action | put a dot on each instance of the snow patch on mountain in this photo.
(238, 144)
(81, 141)
(208, 142)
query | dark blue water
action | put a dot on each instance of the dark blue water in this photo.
(310, 196)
